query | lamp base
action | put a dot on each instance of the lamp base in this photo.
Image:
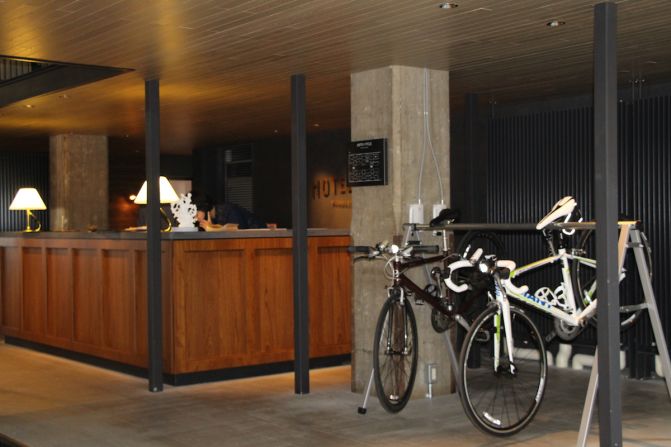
(29, 214)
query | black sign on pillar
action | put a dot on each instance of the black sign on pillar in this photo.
(367, 163)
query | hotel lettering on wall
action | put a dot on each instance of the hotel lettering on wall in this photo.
(334, 189)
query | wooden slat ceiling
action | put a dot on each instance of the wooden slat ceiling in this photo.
(225, 65)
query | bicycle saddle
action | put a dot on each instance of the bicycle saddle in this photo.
(562, 209)
(446, 216)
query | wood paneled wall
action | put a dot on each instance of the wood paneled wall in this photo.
(227, 302)
(84, 295)
(233, 301)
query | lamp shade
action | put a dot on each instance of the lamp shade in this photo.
(167, 192)
(27, 199)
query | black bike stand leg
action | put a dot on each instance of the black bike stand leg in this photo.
(362, 408)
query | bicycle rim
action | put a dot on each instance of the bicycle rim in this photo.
(498, 401)
(488, 241)
(395, 354)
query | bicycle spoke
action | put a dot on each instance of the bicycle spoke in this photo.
(395, 359)
(503, 401)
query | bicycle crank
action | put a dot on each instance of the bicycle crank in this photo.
(565, 331)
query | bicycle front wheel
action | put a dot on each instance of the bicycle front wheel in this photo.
(395, 353)
(500, 398)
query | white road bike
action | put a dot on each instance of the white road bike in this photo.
(503, 365)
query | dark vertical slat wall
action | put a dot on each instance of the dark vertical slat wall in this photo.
(17, 170)
(537, 157)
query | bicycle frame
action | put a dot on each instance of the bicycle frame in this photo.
(544, 306)
(402, 282)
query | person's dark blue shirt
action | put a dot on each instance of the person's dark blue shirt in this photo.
(231, 213)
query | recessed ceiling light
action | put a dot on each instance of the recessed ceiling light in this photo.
(276, 131)
(29, 106)
(447, 5)
(64, 96)
(555, 23)
(316, 125)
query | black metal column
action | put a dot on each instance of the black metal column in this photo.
(299, 219)
(606, 207)
(475, 144)
(152, 166)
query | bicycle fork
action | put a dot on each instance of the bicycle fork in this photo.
(504, 311)
(392, 323)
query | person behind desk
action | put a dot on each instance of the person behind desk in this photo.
(225, 213)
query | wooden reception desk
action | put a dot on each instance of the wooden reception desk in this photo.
(227, 297)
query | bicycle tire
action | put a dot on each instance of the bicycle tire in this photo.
(395, 353)
(584, 279)
(488, 241)
(521, 392)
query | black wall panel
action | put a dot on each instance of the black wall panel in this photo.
(538, 156)
(17, 170)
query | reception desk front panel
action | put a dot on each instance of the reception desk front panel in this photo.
(227, 302)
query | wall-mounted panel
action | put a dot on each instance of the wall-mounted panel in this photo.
(87, 296)
(273, 291)
(118, 316)
(59, 293)
(11, 288)
(215, 305)
(330, 265)
(34, 292)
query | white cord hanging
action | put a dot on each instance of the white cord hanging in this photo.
(426, 141)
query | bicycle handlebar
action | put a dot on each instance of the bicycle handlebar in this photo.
(383, 247)
(485, 266)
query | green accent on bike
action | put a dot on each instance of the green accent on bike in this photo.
(587, 299)
(497, 322)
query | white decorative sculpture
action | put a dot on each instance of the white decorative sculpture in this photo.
(185, 213)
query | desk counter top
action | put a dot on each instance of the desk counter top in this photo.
(175, 235)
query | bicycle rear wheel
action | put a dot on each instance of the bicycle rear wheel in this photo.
(584, 279)
(395, 353)
(498, 400)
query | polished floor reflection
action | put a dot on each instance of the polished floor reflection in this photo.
(48, 401)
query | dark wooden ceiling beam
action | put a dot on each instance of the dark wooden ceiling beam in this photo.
(52, 79)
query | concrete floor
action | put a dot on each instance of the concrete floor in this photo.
(48, 401)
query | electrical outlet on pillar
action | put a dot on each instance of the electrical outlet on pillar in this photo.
(417, 213)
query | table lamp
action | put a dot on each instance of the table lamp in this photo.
(28, 199)
(167, 194)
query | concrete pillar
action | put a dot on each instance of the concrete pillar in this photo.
(388, 103)
(78, 178)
